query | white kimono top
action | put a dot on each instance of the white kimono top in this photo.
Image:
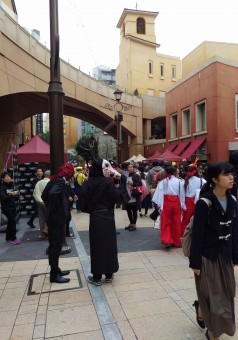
(172, 186)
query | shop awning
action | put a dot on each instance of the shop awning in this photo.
(170, 156)
(192, 148)
(172, 147)
(181, 147)
(154, 156)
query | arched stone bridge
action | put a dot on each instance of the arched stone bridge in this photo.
(24, 78)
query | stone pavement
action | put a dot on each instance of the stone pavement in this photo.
(150, 298)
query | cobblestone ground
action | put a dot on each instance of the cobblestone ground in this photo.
(150, 297)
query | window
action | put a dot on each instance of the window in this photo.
(140, 25)
(150, 67)
(173, 72)
(151, 92)
(201, 124)
(174, 126)
(161, 70)
(236, 111)
(186, 126)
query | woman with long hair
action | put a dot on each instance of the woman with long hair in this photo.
(190, 185)
(214, 251)
(169, 197)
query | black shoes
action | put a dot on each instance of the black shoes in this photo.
(109, 278)
(64, 272)
(31, 225)
(200, 320)
(127, 228)
(94, 282)
(70, 235)
(59, 279)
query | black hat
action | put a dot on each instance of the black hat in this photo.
(4, 174)
(167, 163)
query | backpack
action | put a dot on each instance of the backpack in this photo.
(187, 236)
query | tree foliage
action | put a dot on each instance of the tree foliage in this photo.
(87, 147)
(46, 137)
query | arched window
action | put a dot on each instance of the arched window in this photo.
(140, 24)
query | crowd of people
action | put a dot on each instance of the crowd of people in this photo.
(174, 191)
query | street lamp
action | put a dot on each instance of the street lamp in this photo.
(117, 108)
(56, 93)
(118, 118)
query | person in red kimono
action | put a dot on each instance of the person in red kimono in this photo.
(191, 186)
(169, 197)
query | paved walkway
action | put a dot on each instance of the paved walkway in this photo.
(150, 298)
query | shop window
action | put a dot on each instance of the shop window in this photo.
(174, 126)
(201, 124)
(186, 122)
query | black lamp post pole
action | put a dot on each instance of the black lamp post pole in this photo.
(118, 138)
(55, 93)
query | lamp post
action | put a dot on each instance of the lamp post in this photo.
(117, 108)
(55, 93)
(118, 119)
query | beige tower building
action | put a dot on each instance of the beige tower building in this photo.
(141, 69)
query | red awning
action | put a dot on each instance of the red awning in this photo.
(36, 150)
(181, 147)
(172, 147)
(193, 147)
(170, 156)
(154, 156)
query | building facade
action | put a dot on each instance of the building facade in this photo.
(105, 74)
(141, 70)
(202, 112)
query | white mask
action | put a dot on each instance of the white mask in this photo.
(108, 170)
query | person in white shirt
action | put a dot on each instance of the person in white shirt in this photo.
(39, 188)
(169, 197)
(191, 187)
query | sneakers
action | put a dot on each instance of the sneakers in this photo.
(16, 241)
(132, 228)
(31, 225)
(93, 282)
(109, 279)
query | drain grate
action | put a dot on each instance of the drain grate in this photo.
(40, 283)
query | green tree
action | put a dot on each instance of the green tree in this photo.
(107, 150)
(87, 147)
(46, 137)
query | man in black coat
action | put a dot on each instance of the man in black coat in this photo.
(56, 199)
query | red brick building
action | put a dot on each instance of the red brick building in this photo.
(202, 112)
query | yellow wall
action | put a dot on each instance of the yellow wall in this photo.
(205, 51)
(133, 70)
(70, 131)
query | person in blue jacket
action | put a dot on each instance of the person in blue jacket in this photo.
(214, 251)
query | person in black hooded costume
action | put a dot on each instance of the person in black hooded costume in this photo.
(98, 198)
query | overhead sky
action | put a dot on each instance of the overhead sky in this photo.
(89, 37)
